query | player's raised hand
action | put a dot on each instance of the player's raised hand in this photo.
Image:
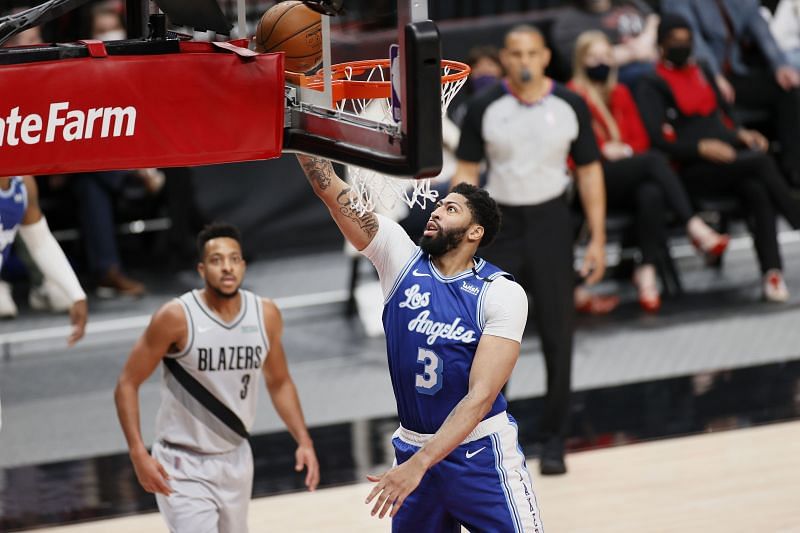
(306, 458)
(151, 474)
(394, 486)
(78, 315)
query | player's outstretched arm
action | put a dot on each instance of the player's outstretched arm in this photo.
(336, 194)
(491, 368)
(284, 397)
(50, 259)
(166, 333)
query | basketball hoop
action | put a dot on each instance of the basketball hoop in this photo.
(363, 89)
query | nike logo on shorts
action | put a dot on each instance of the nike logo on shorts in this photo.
(470, 454)
(420, 274)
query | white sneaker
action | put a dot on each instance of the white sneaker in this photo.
(8, 309)
(775, 289)
(49, 297)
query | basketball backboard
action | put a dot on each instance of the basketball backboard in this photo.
(410, 147)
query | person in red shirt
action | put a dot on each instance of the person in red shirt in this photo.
(637, 178)
(687, 118)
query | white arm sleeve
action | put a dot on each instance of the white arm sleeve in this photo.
(389, 251)
(50, 259)
(505, 309)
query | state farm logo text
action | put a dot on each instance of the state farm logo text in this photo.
(63, 123)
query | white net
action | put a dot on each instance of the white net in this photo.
(381, 193)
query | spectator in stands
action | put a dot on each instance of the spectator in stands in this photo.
(629, 24)
(637, 178)
(95, 193)
(785, 27)
(525, 128)
(485, 71)
(728, 36)
(683, 113)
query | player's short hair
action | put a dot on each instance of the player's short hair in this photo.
(483, 208)
(525, 28)
(215, 230)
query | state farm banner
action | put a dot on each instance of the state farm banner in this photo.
(196, 107)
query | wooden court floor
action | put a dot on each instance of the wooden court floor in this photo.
(745, 480)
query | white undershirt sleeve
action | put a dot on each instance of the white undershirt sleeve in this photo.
(389, 251)
(50, 259)
(505, 309)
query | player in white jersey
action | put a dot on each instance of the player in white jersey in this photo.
(20, 214)
(212, 344)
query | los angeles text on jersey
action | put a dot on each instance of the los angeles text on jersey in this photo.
(422, 323)
(63, 123)
(229, 358)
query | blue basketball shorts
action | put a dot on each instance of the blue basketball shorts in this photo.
(483, 484)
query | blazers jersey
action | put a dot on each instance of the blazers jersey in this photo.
(222, 360)
(433, 325)
(13, 203)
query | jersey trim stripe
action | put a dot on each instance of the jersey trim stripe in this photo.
(525, 465)
(212, 316)
(190, 326)
(482, 297)
(402, 275)
(12, 189)
(498, 464)
(24, 194)
(260, 315)
(467, 273)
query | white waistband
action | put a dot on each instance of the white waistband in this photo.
(491, 425)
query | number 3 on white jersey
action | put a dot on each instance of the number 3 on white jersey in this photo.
(430, 381)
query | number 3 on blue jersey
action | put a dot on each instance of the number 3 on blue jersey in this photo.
(430, 381)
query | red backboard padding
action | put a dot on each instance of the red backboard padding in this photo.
(191, 108)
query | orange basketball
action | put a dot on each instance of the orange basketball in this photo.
(294, 29)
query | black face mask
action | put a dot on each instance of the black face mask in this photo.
(678, 55)
(598, 72)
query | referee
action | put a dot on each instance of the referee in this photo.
(526, 128)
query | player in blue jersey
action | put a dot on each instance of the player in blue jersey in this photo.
(20, 214)
(453, 325)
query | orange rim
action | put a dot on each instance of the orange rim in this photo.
(345, 88)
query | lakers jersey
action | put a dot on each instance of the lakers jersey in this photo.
(216, 374)
(13, 203)
(433, 325)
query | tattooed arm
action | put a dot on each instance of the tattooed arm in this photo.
(359, 230)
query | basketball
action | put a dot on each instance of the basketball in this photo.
(294, 29)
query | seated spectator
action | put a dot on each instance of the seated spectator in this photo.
(785, 27)
(485, 71)
(683, 115)
(728, 34)
(629, 24)
(94, 193)
(637, 178)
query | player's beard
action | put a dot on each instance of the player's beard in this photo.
(219, 293)
(442, 242)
